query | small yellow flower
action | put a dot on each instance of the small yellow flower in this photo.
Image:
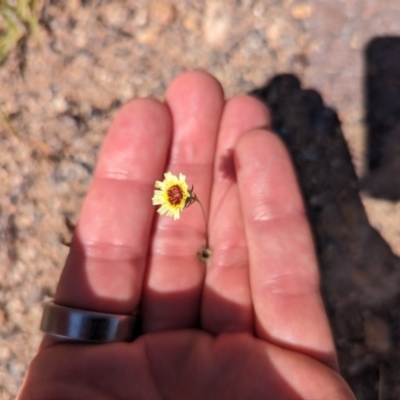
(172, 194)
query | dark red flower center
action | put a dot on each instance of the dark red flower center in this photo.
(175, 195)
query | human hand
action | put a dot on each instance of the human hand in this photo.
(249, 325)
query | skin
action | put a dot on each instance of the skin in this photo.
(249, 325)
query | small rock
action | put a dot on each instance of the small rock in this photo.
(114, 14)
(162, 13)
(147, 36)
(216, 24)
(14, 310)
(356, 41)
(60, 105)
(5, 351)
(279, 32)
(191, 21)
(127, 93)
(302, 11)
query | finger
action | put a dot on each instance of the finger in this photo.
(175, 275)
(226, 302)
(284, 277)
(105, 267)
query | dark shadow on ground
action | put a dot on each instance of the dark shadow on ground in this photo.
(360, 274)
(382, 101)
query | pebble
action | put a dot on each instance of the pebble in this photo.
(302, 11)
(162, 13)
(60, 105)
(216, 24)
(5, 352)
(147, 36)
(191, 21)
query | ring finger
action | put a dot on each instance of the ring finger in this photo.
(226, 303)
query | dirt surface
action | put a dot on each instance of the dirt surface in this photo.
(62, 90)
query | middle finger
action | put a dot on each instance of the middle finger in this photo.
(175, 275)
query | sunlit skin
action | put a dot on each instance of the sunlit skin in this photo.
(250, 324)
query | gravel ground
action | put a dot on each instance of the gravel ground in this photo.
(91, 56)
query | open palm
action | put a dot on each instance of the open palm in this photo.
(248, 325)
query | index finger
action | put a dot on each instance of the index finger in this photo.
(284, 278)
(104, 270)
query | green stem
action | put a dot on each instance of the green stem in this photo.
(204, 216)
